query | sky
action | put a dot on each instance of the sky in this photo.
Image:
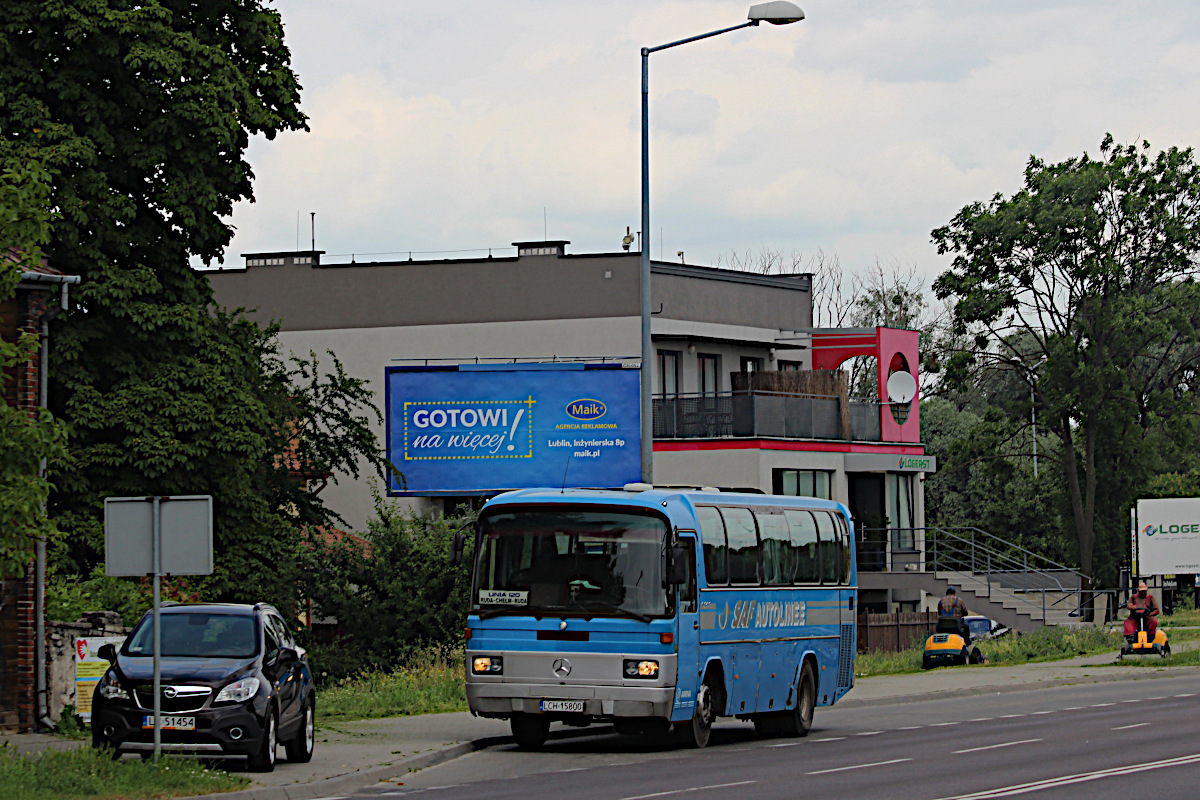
(456, 126)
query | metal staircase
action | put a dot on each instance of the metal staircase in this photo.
(996, 578)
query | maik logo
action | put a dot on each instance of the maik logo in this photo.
(586, 409)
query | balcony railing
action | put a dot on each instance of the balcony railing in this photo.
(766, 414)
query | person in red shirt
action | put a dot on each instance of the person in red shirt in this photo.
(1142, 599)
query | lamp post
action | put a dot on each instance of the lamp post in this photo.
(777, 12)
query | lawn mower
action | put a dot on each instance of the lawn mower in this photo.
(950, 644)
(1140, 643)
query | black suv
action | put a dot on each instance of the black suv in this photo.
(234, 685)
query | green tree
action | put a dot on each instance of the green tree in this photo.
(25, 440)
(1083, 281)
(142, 113)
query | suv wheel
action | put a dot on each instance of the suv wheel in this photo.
(264, 759)
(300, 749)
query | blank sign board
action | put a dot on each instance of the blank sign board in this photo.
(186, 528)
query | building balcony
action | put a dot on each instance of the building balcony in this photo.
(766, 414)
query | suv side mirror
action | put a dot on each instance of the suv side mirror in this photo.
(108, 652)
(677, 571)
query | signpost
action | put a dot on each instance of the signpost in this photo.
(158, 536)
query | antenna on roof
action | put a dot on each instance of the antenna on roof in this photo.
(313, 214)
(563, 490)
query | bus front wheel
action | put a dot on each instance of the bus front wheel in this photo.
(799, 721)
(530, 731)
(695, 732)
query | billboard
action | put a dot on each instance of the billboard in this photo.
(476, 428)
(1168, 536)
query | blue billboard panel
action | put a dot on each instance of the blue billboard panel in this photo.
(485, 428)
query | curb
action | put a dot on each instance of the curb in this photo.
(976, 691)
(353, 781)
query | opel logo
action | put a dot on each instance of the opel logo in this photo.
(169, 692)
(561, 667)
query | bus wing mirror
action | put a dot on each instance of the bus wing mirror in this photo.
(677, 565)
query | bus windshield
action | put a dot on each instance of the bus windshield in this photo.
(573, 561)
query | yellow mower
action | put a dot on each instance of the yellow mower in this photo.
(950, 644)
(1141, 643)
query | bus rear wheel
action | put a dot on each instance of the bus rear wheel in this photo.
(799, 721)
(530, 731)
(696, 731)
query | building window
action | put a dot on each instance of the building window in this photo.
(790, 366)
(803, 483)
(710, 373)
(751, 364)
(900, 506)
(668, 373)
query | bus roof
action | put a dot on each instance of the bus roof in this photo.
(659, 496)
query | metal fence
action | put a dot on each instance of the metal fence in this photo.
(756, 413)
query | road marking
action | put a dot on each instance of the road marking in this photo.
(981, 719)
(1066, 780)
(690, 789)
(1190, 694)
(911, 728)
(1164, 697)
(868, 733)
(1073, 708)
(941, 724)
(1011, 716)
(1127, 727)
(812, 741)
(1035, 713)
(1131, 701)
(994, 746)
(1102, 705)
(859, 766)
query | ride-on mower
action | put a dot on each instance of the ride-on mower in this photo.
(1141, 643)
(950, 644)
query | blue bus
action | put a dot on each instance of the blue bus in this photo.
(656, 607)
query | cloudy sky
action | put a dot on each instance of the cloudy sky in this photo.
(440, 126)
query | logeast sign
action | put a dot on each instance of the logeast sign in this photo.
(1168, 536)
(483, 428)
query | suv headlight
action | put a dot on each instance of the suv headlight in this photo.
(238, 691)
(110, 689)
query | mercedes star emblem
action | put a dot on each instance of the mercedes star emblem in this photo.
(561, 667)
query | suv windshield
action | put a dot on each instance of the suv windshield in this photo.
(196, 635)
(595, 562)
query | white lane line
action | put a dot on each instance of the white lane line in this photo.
(941, 724)
(1073, 708)
(1127, 727)
(1066, 780)
(810, 741)
(859, 766)
(869, 733)
(995, 746)
(1036, 713)
(1010, 716)
(1163, 697)
(1190, 694)
(1131, 701)
(1102, 705)
(689, 789)
(911, 728)
(981, 719)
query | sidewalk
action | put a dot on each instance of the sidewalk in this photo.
(351, 755)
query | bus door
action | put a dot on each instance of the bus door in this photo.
(687, 632)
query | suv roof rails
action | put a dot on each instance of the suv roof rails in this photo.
(646, 487)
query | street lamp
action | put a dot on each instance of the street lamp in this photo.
(777, 12)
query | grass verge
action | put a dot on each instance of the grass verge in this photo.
(86, 773)
(430, 682)
(1047, 644)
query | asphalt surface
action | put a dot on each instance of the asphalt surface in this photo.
(1095, 741)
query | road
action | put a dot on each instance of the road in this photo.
(1090, 742)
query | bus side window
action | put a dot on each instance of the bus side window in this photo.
(831, 545)
(804, 544)
(743, 546)
(687, 590)
(845, 531)
(712, 529)
(779, 562)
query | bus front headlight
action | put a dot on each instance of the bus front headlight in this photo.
(641, 669)
(487, 665)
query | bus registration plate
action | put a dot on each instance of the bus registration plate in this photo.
(575, 706)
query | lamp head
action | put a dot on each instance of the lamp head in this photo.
(776, 12)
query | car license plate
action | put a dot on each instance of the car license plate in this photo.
(170, 723)
(575, 706)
